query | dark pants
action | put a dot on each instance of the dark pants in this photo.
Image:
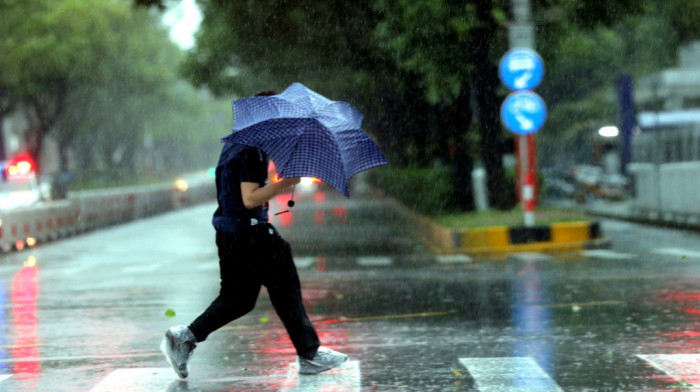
(248, 259)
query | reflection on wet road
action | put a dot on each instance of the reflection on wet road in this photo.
(87, 313)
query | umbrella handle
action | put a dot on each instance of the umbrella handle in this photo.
(290, 203)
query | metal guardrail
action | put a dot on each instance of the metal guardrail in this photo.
(668, 191)
(681, 144)
(89, 210)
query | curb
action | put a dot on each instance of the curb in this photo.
(501, 240)
(553, 238)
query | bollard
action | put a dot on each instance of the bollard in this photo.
(480, 193)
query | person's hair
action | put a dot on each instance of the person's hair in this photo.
(265, 93)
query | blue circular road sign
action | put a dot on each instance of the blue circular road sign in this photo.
(523, 112)
(521, 69)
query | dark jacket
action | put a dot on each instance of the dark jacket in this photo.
(238, 163)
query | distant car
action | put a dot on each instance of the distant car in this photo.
(18, 192)
(559, 188)
(19, 186)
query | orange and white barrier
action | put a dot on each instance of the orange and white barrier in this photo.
(90, 210)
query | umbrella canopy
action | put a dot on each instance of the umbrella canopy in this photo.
(306, 135)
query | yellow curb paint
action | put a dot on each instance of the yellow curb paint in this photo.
(542, 247)
(495, 237)
(570, 232)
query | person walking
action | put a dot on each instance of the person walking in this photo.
(251, 254)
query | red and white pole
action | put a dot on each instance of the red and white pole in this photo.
(527, 176)
(529, 199)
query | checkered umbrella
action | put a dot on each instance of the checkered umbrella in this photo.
(306, 135)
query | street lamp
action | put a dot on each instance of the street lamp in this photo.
(608, 131)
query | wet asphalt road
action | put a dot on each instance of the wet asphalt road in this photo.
(88, 313)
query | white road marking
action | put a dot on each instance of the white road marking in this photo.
(529, 257)
(138, 269)
(680, 367)
(453, 259)
(509, 374)
(346, 378)
(208, 267)
(78, 357)
(135, 380)
(680, 252)
(607, 254)
(304, 262)
(4, 377)
(374, 261)
(75, 270)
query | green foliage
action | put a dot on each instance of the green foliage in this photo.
(244, 46)
(103, 78)
(588, 45)
(418, 70)
(437, 50)
(684, 16)
(428, 191)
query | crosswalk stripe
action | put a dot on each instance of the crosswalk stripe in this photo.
(78, 357)
(508, 374)
(374, 261)
(75, 270)
(607, 254)
(453, 259)
(346, 378)
(4, 377)
(680, 367)
(680, 252)
(136, 380)
(207, 267)
(137, 269)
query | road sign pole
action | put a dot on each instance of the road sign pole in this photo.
(526, 180)
(521, 35)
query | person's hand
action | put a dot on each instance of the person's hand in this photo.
(291, 181)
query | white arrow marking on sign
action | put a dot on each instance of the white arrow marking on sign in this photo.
(525, 123)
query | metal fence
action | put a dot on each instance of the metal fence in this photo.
(679, 144)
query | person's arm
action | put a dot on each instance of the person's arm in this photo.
(254, 195)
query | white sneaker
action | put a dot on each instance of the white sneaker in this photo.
(325, 359)
(178, 345)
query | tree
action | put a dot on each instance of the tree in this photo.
(587, 46)
(49, 57)
(96, 75)
(453, 52)
(428, 68)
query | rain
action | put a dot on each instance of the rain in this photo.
(475, 195)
